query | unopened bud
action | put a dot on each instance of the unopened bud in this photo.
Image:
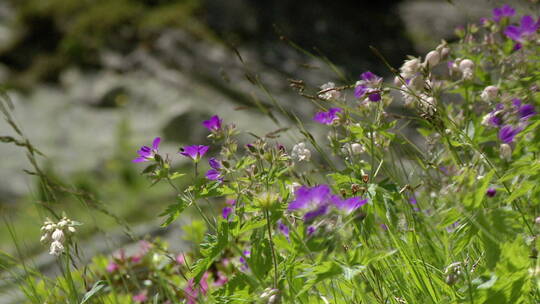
(506, 152)
(432, 59)
(489, 93)
(58, 235)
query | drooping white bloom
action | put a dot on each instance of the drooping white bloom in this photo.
(410, 68)
(56, 248)
(329, 91)
(489, 93)
(58, 235)
(300, 152)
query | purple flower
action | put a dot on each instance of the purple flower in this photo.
(244, 266)
(194, 152)
(504, 11)
(146, 153)
(526, 111)
(507, 133)
(284, 229)
(329, 117)
(374, 97)
(491, 192)
(213, 124)
(527, 27)
(214, 163)
(495, 121)
(349, 204)
(214, 174)
(360, 90)
(311, 230)
(226, 212)
(315, 199)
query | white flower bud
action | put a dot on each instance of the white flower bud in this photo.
(58, 235)
(357, 148)
(72, 229)
(506, 152)
(300, 152)
(489, 93)
(432, 59)
(62, 223)
(466, 64)
(537, 221)
(45, 238)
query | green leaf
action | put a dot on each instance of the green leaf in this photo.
(211, 249)
(98, 286)
(173, 211)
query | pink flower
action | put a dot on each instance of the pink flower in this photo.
(140, 297)
(192, 291)
(112, 267)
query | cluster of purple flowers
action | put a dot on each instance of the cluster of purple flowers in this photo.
(521, 33)
(368, 88)
(511, 119)
(318, 200)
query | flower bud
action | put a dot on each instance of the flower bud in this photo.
(466, 64)
(432, 59)
(489, 93)
(506, 152)
(357, 148)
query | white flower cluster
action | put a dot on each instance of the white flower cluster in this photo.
(329, 91)
(56, 233)
(300, 152)
(463, 66)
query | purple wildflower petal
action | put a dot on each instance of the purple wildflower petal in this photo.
(213, 175)
(507, 133)
(145, 151)
(306, 197)
(327, 118)
(155, 143)
(491, 192)
(368, 76)
(213, 124)
(140, 159)
(360, 90)
(310, 230)
(412, 200)
(284, 229)
(495, 121)
(194, 152)
(526, 111)
(374, 97)
(504, 11)
(528, 25)
(349, 205)
(318, 212)
(226, 212)
(513, 32)
(214, 163)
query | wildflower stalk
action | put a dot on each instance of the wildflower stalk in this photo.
(266, 213)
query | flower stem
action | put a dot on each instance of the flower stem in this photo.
(266, 213)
